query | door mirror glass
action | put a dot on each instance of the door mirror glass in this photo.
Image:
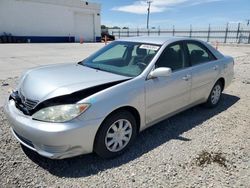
(160, 72)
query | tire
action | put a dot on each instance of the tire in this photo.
(115, 135)
(215, 95)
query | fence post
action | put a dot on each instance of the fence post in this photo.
(225, 40)
(128, 32)
(159, 32)
(238, 31)
(249, 38)
(173, 30)
(148, 32)
(137, 32)
(208, 33)
(119, 33)
(190, 32)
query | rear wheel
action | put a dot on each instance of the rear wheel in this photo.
(215, 95)
(115, 135)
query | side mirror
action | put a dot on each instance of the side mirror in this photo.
(160, 72)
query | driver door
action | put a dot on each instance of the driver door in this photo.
(165, 95)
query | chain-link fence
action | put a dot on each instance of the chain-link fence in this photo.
(228, 34)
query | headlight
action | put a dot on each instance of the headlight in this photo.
(60, 113)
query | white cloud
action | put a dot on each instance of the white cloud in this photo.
(138, 9)
(197, 2)
(140, 6)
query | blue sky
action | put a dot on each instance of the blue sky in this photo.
(181, 13)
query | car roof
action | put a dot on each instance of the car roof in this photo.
(160, 40)
(155, 40)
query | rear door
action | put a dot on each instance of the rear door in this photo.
(205, 70)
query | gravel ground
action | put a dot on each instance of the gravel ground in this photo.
(197, 148)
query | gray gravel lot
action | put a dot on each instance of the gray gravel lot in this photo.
(197, 148)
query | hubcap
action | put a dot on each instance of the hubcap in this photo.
(216, 94)
(118, 135)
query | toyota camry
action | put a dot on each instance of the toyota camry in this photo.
(101, 103)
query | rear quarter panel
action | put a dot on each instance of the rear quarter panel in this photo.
(228, 70)
(226, 64)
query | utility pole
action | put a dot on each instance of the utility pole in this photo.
(149, 4)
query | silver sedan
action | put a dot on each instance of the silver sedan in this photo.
(101, 103)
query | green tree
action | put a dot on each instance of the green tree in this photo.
(103, 27)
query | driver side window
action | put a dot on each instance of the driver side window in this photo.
(173, 57)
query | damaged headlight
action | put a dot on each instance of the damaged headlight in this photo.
(60, 113)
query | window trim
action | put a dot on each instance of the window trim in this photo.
(210, 54)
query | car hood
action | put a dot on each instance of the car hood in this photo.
(51, 81)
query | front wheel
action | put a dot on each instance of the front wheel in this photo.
(115, 135)
(215, 95)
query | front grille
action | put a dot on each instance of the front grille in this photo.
(28, 103)
(23, 104)
(54, 149)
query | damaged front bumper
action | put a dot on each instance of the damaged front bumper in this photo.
(52, 140)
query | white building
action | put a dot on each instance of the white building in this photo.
(50, 20)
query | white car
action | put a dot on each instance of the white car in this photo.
(103, 102)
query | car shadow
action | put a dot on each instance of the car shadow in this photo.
(149, 139)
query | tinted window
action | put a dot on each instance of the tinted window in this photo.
(198, 54)
(172, 57)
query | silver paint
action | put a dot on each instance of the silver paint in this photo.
(154, 99)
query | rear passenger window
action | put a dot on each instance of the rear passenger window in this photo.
(172, 57)
(198, 54)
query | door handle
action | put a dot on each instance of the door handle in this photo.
(187, 77)
(215, 67)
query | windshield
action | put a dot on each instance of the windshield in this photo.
(123, 58)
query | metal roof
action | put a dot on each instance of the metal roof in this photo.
(69, 3)
(162, 40)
